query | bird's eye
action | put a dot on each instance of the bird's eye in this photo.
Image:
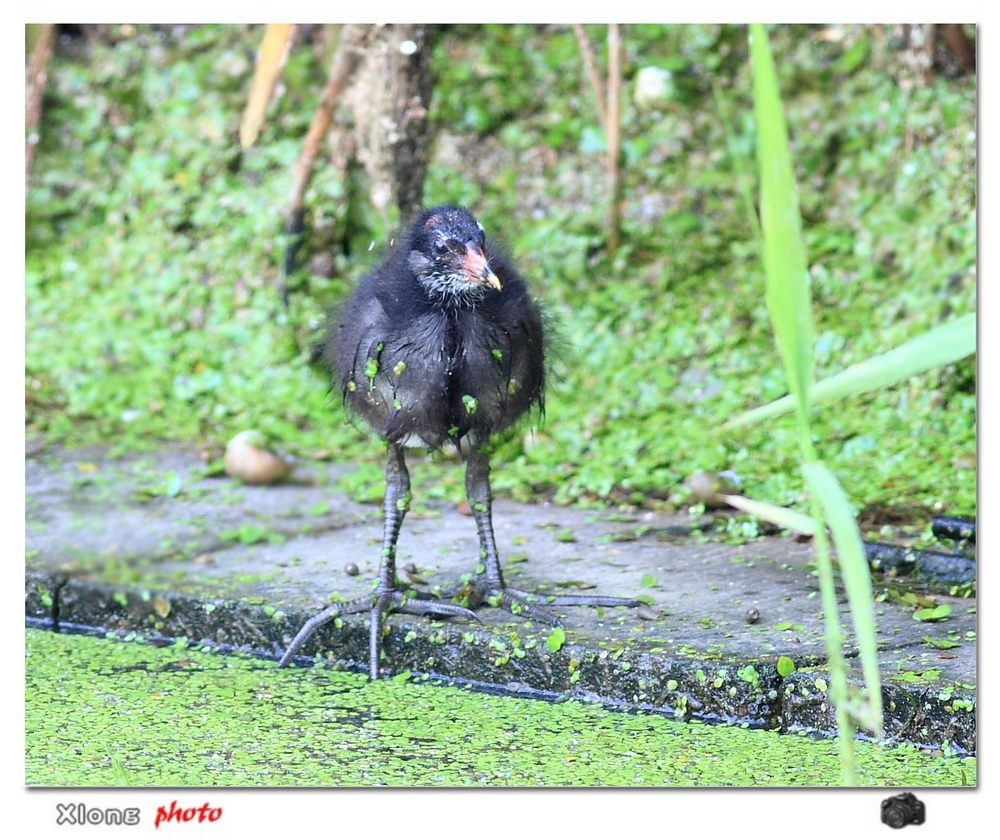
(440, 249)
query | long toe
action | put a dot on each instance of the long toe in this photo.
(587, 601)
(431, 607)
(533, 604)
(324, 616)
(522, 604)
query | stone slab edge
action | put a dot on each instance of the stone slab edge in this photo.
(716, 691)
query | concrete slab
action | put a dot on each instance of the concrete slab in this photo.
(86, 511)
(148, 545)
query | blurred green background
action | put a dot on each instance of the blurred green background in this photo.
(154, 248)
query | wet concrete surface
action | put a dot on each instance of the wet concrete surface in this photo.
(149, 545)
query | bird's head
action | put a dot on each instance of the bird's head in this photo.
(448, 256)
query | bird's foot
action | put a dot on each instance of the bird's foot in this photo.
(532, 604)
(378, 604)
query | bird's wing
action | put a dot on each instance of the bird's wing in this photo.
(355, 332)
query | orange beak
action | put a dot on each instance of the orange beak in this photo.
(478, 268)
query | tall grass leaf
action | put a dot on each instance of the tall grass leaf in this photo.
(270, 59)
(854, 572)
(863, 713)
(784, 252)
(942, 345)
(781, 516)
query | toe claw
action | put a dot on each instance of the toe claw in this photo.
(310, 627)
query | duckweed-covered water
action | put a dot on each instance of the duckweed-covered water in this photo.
(105, 713)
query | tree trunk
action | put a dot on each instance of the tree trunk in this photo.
(391, 103)
(959, 45)
(38, 76)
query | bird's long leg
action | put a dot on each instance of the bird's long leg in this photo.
(395, 506)
(387, 596)
(491, 584)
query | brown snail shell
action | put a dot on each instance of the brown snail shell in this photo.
(249, 459)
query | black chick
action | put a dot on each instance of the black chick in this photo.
(441, 343)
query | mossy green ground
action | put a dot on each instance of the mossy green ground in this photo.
(105, 713)
(153, 250)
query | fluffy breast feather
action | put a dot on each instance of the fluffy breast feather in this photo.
(421, 375)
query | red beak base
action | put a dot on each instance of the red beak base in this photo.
(478, 268)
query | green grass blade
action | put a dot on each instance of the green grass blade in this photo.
(833, 641)
(854, 573)
(942, 345)
(792, 520)
(784, 252)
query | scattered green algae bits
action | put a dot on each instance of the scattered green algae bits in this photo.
(105, 713)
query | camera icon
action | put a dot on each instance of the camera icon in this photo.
(902, 810)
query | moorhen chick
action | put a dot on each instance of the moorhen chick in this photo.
(441, 344)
